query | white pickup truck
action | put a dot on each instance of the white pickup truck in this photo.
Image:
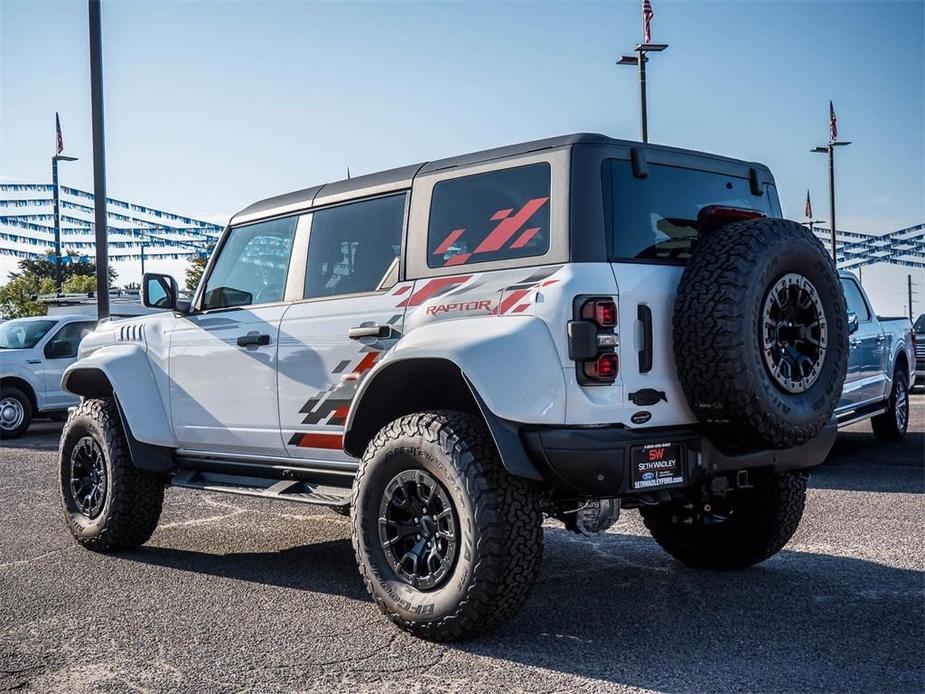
(881, 363)
(34, 352)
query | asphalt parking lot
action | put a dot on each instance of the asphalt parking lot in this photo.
(237, 594)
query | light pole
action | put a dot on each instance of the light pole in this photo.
(830, 150)
(57, 210)
(642, 49)
(812, 222)
(99, 161)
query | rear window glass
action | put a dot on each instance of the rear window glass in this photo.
(498, 215)
(657, 217)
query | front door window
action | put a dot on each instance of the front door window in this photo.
(252, 266)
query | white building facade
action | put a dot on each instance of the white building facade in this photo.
(166, 240)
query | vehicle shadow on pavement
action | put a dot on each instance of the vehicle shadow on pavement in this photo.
(615, 608)
(876, 466)
(325, 567)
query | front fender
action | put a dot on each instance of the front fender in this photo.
(126, 369)
(23, 373)
(511, 362)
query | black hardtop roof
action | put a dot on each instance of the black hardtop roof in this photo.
(337, 190)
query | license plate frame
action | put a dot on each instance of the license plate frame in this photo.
(657, 465)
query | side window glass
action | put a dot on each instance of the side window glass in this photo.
(497, 215)
(252, 265)
(855, 301)
(353, 248)
(64, 344)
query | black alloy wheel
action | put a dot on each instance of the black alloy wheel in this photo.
(794, 333)
(417, 529)
(88, 477)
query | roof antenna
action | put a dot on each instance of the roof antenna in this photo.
(348, 173)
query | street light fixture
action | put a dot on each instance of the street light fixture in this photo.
(57, 210)
(830, 150)
(642, 49)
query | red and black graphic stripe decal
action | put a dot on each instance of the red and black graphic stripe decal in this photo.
(332, 442)
(433, 288)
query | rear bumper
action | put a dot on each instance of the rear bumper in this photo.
(595, 461)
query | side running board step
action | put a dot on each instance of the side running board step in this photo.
(288, 490)
(861, 413)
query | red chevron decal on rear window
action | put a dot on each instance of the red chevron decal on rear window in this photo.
(497, 215)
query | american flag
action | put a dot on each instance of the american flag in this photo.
(647, 15)
(59, 138)
(833, 123)
(809, 207)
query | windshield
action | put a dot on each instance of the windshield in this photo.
(920, 324)
(23, 334)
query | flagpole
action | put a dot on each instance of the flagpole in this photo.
(641, 61)
(56, 197)
(57, 211)
(830, 150)
(832, 204)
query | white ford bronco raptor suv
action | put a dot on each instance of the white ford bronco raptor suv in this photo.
(450, 351)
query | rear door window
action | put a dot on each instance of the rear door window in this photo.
(491, 216)
(656, 218)
(354, 248)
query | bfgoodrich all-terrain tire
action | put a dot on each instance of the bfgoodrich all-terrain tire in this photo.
(448, 543)
(743, 528)
(760, 334)
(892, 424)
(109, 504)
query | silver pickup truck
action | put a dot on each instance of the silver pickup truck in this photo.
(880, 367)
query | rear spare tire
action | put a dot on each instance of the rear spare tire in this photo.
(760, 333)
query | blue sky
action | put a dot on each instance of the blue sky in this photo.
(211, 105)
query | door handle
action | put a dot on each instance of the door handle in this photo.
(381, 332)
(33, 361)
(253, 340)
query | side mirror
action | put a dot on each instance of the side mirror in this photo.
(159, 291)
(852, 322)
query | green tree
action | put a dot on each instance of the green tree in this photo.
(37, 276)
(79, 284)
(196, 267)
(17, 296)
(45, 267)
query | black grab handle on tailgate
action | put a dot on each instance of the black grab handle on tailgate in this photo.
(644, 315)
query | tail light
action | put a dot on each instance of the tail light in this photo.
(593, 340)
(604, 368)
(602, 311)
(714, 216)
